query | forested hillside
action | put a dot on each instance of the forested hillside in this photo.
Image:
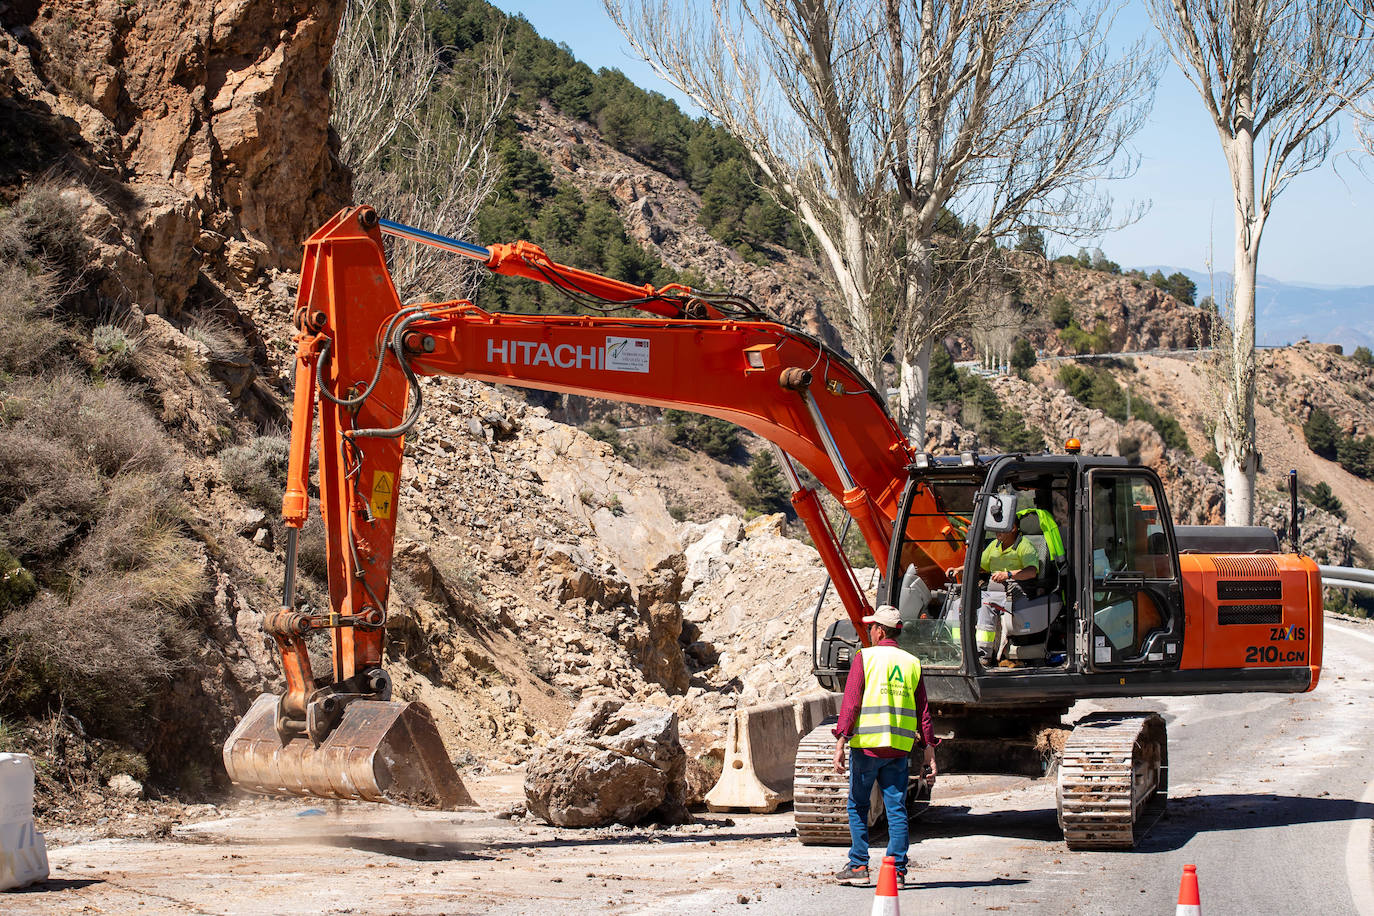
(607, 176)
(578, 226)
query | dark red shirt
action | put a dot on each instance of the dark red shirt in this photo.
(853, 699)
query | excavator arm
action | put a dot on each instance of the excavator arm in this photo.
(360, 355)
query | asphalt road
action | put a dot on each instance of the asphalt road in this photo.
(1269, 798)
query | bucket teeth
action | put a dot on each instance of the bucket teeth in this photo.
(381, 752)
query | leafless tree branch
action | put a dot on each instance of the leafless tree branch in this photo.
(417, 134)
(878, 120)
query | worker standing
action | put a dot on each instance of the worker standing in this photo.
(883, 711)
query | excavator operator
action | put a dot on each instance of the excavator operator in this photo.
(1008, 559)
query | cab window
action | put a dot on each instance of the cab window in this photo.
(934, 537)
(1132, 566)
(1128, 536)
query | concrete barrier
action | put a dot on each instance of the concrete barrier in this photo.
(23, 855)
(760, 751)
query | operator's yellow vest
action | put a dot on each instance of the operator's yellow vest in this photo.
(887, 717)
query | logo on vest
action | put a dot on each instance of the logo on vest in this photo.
(896, 675)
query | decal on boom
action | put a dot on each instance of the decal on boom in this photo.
(621, 354)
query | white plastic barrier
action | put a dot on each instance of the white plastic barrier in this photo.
(23, 855)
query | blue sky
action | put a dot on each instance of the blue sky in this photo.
(1319, 231)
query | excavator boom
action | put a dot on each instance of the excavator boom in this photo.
(360, 353)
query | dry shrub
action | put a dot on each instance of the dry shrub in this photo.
(114, 760)
(41, 226)
(258, 470)
(98, 577)
(101, 642)
(28, 336)
(58, 436)
(89, 488)
(105, 424)
(140, 535)
(47, 495)
(116, 344)
(217, 335)
(119, 434)
(311, 558)
(99, 654)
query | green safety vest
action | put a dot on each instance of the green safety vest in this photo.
(1054, 544)
(887, 716)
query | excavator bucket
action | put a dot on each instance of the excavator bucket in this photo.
(380, 752)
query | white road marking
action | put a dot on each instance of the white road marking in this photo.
(1357, 854)
(1357, 867)
(1356, 633)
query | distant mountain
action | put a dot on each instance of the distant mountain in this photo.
(1288, 312)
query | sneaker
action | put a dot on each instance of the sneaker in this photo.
(901, 878)
(854, 877)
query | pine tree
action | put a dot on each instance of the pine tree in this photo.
(1322, 435)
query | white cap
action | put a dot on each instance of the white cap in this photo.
(887, 615)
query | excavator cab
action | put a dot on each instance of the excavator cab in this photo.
(1096, 602)
(1106, 595)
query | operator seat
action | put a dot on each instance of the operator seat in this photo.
(1047, 576)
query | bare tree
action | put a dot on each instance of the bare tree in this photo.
(994, 341)
(417, 133)
(1273, 74)
(1362, 104)
(877, 121)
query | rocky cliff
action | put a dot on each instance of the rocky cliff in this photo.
(194, 137)
(1134, 314)
(159, 163)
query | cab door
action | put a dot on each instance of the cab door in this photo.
(1131, 598)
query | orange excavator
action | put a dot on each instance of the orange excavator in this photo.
(1124, 603)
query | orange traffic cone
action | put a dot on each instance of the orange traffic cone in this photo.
(885, 899)
(1189, 904)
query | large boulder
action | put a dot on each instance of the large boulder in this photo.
(707, 547)
(615, 763)
(631, 520)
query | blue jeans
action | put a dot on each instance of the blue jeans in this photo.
(891, 775)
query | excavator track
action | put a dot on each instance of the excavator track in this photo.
(1113, 779)
(820, 796)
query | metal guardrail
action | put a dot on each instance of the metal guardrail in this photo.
(977, 367)
(1178, 353)
(1349, 577)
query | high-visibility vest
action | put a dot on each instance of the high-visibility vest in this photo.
(1049, 528)
(887, 716)
(981, 635)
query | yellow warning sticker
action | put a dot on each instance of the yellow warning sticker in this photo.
(383, 489)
